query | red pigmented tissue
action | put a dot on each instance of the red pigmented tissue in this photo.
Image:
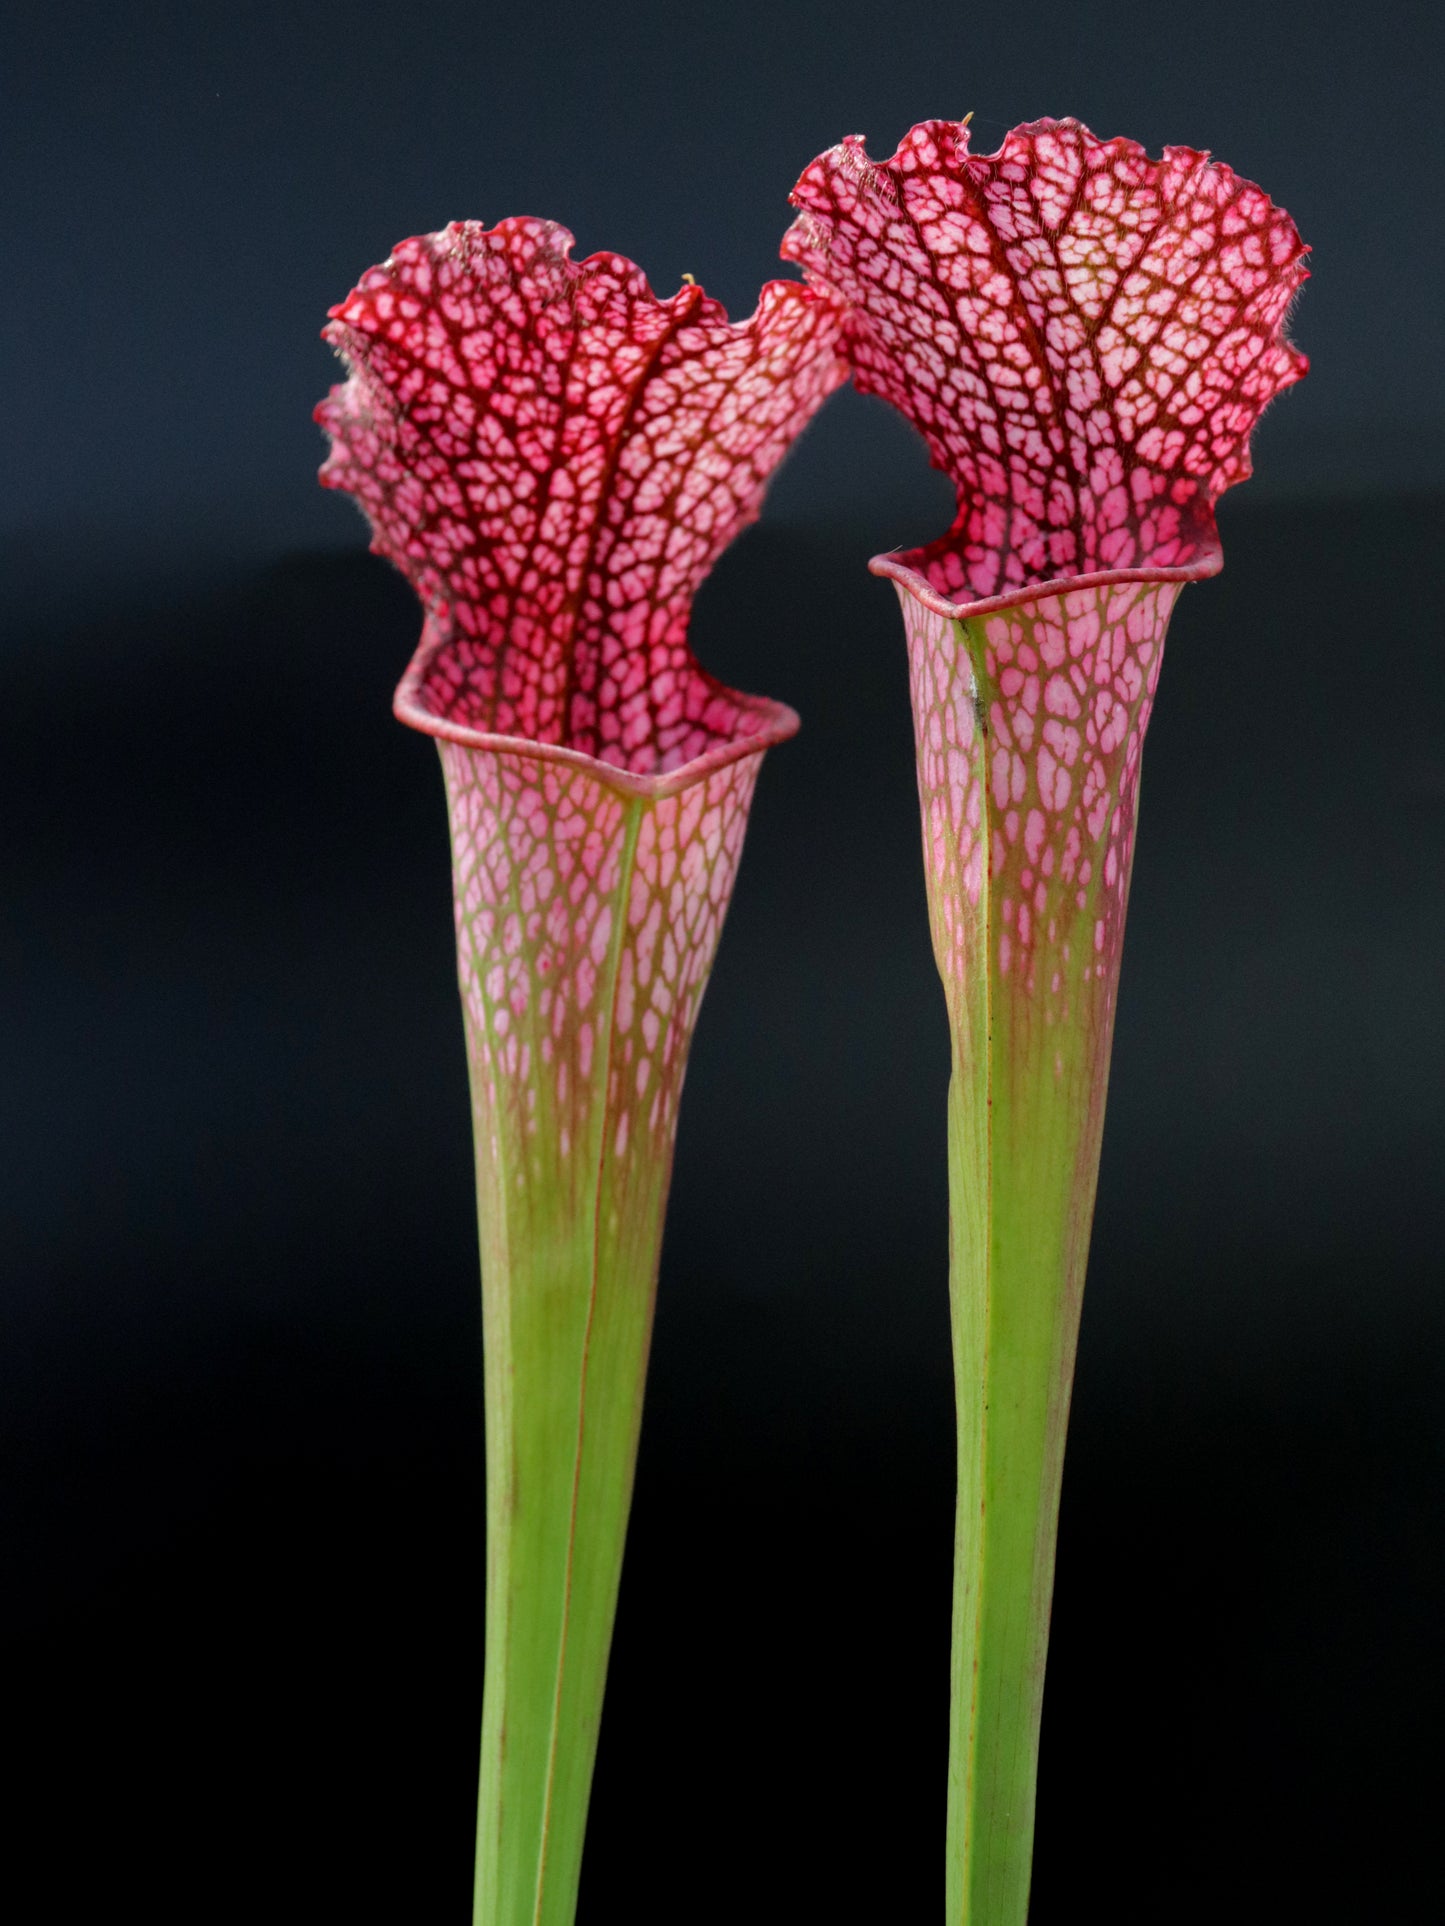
(1084, 336)
(555, 458)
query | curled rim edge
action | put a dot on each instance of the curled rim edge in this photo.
(775, 722)
(898, 568)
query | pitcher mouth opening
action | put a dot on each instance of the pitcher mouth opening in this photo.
(957, 580)
(716, 725)
(905, 571)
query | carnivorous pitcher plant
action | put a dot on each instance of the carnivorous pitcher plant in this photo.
(555, 458)
(1085, 338)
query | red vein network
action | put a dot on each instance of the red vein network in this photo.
(1084, 336)
(555, 458)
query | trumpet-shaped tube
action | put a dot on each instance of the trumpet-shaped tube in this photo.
(1028, 840)
(587, 917)
(555, 457)
(1085, 338)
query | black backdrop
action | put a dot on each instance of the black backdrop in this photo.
(240, 1410)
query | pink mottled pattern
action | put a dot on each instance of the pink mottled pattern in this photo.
(1033, 770)
(576, 956)
(555, 458)
(1084, 336)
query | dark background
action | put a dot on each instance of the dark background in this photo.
(240, 1408)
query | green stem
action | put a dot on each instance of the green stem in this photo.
(1021, 1184)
